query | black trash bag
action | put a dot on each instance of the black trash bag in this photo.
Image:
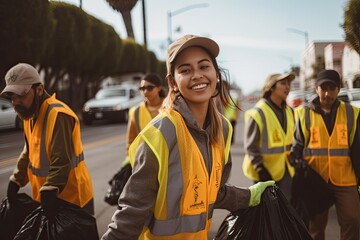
(117, 184)
(69, 222)
(12, 216)
(311, 195)
(273, 219)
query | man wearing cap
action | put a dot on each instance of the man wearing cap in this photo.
(268, 135)
(52, 159)
(327, 139)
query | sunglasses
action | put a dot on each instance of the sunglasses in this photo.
(148, 88)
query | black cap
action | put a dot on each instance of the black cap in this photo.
(330, 76)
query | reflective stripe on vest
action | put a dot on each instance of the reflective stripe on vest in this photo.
(44, 161)
(141, 116)
(274, 142)
(265, 145)
(326, 151)
(329, 154)
(175, 221)
(137, 119)
(191, 223)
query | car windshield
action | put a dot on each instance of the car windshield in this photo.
(108, 93)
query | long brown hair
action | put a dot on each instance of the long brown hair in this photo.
(222, 94)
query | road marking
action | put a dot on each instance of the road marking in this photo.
(11, 161)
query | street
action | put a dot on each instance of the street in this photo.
(104, 149)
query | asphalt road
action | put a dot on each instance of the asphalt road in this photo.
(104, 149)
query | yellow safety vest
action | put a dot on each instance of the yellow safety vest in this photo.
(328, 155)
(231, 112)
(274, 143)
(140, 115)
(78, 189)
(185, 201)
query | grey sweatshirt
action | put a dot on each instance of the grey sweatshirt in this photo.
(139, 195)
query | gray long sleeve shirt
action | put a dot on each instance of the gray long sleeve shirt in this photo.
(140, 192)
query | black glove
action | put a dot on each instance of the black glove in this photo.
(50, 203)
(264, 174)
(12, 191)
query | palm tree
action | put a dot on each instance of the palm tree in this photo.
(124, 7)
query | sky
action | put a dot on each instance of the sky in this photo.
(254, 35)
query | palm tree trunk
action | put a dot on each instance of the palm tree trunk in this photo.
(128, 23)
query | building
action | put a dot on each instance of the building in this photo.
(313, 60)
(333, 53)
(351, 68)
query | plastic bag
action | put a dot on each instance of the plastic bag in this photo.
(310, 193)
(70, 222)
(12, 216)
(273, 219)
(117, 184)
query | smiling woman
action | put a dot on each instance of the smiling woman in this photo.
(8, 116)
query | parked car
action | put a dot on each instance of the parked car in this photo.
(8, 116)
(351, 95)
(111, 103)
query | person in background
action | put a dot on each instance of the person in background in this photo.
(327, 138)
(269, 128)
(231, 111)
(181, 159)
(52, 159)
(153, 91)
(139, 116)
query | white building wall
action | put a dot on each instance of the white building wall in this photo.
(350, 65)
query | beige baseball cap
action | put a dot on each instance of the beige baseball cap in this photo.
(20, 78)
(272, 79)
(189, 41)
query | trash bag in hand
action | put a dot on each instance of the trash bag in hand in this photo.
(70, 222)
(273, 219)
(117, 184)
(310, 193)
(12, 215)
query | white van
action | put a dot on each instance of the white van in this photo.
(112, 103)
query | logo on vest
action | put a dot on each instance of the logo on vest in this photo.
(217, 175)
(276, 136)
(342, 135)
(195, 186)
(315, 137)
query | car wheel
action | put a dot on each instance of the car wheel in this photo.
(19, 124)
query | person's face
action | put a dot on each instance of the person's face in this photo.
(281, 89)
(26, 105)
(195, 75)
(327, 94)
(149, 90)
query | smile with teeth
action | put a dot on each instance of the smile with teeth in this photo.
(200, 86)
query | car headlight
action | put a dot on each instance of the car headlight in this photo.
(117, 107)
(86, 109)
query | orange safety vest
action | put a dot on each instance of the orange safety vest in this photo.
(185, 201)
(328, 155)
(78, 189)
